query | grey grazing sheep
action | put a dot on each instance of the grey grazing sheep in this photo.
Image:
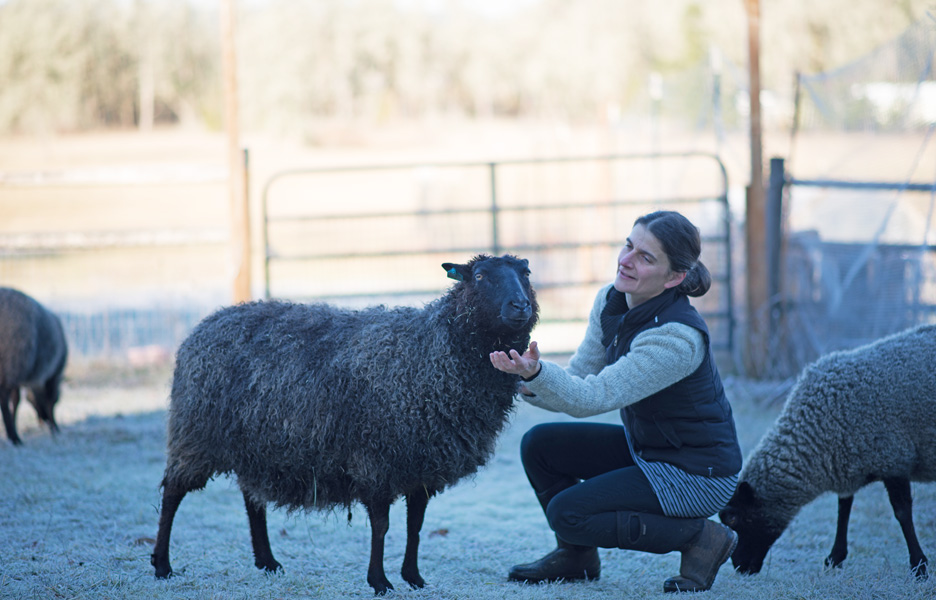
(33, 353)
(315, 407)
(852, 418)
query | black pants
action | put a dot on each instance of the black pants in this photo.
(589, 486)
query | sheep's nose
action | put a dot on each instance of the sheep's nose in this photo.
(520, 305)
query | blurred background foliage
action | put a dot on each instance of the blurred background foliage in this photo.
(76, 65)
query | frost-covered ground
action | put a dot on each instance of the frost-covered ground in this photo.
(78, 514)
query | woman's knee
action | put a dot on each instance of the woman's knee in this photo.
(563, 517)
(533, 442)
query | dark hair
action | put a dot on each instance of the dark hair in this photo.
(682, 244)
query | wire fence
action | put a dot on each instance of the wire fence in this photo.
(143, 254)
(859, 257)
(327, 239)
(130, 261)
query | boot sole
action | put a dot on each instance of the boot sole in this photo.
(521, 579)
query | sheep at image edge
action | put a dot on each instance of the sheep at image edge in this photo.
(33, 353)
(853, 417)
(315, 407)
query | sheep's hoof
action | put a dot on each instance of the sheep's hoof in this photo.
(381, 588)
(163, 572)
(410, 574)
(832, 562)
(271, 566)
(920, 571)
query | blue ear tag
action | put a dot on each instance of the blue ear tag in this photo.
(453, 274)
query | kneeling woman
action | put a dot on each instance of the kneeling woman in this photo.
(652, 484)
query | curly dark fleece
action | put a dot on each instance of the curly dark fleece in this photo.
(312, 406)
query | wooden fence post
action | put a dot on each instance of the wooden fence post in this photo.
(756, 276)
(237, 161)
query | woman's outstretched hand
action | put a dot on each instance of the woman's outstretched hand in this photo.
(526, 365)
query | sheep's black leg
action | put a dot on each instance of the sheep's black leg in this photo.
(160, 558)
(840, 546)
(379, 513)
(39, 397)
(263, 556)
(9, 400)
(415, 512)
(898, 489)
(51, 397)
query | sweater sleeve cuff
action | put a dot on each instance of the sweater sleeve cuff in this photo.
(535, 375)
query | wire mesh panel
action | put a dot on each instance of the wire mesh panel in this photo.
(891, 89)
(858, 267)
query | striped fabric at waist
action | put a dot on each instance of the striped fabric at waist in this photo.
(683, 494)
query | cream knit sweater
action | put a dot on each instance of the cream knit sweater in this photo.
(658, 358)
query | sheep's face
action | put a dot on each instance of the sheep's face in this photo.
(497, 291)
(757, 529)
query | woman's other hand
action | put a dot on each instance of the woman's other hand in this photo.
(526, 365)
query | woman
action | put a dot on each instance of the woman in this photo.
(652, 484)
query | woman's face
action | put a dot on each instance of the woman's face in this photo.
(643, 268)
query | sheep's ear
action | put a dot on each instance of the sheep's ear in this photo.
(457, 272)
(745, 494)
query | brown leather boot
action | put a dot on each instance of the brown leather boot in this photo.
(565, 563)
(702, 557)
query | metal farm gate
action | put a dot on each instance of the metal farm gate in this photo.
(362, 235)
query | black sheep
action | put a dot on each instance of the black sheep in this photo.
(33, 353)
(314, 407)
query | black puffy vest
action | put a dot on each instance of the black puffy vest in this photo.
(689, 424)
